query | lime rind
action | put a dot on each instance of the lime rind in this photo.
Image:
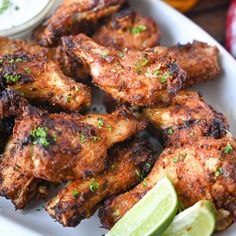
(151, 215)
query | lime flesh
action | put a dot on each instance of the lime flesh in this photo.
(151, 215)
(198, 220)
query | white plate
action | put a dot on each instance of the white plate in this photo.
(220, 93)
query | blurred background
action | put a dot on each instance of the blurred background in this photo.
(217, 17)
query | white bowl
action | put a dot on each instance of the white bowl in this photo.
(24, 30)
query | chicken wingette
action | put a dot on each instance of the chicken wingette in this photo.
(198, 59)
(59, 147)
(40, 79)
(142, 78)
(128, 29)
(127, 164)
(75, 16)
(204, 169)
(18, 186)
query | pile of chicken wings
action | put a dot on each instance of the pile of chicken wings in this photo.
(49, 134)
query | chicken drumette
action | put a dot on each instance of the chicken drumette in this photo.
(142, 78)
(40, 79)
(128, 29)
(75, 16)
(58, 147)
(127, 164)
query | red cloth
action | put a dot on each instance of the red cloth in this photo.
(231, 29)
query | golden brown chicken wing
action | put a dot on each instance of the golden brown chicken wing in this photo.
(38, 78)
(203, 170)
(128, 29)
(73, 17)
(198, 59)
(142, 78)
(18, 186)
(81, 198)
(58, 147)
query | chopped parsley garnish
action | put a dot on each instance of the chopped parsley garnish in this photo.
(18, 60)
(176, 159)
(219, 172)
(156, 72)
(121, 54)
(138, 29)
(156, 50)
(113, 166)
(163, 79)
(145, 183)
(100, 123)
(141, 64)
(140, 174)
(109, 128)
(4, 6)
(96, 138)
(68, 98)
(82, 138)
(27, 70)
(11, 61)
(12, 78)
(93, 186)
(228, 149)
(0, 60)
(170, 131)
(40, 136)
(148, 165)
(139, 72)
(105, 54)
(75, 193)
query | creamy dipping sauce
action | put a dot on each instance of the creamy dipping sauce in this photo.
(16, 12)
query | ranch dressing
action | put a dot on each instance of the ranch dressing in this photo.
(16, 12)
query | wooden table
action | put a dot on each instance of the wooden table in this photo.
(211, 16)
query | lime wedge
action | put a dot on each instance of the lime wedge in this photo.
(194, 221)
(151, 215)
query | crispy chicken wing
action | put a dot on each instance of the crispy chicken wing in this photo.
(58, 147)
(81, 198)
(128, 29)
(187, 118)
(18, 186)
(203, 170)
(38, 78)
(142, 78)
(75, 16)
(198, 59)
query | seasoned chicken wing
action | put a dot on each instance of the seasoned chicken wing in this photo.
(18, 186)
(75, 16)
(198, 59)
(128, 29)
(127, 164)
(203, 170)
(38, 78)
(58, 147)
(142, 78)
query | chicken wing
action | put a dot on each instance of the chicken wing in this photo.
(127, 164)
(142, 78)
(203, 170)
(128, 29)
(75, 16)
(187, 118)
(58, 147)
(40, 79)
(18, 186)
(198, 59)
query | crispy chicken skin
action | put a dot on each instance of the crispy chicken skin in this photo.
(79, 200)
(18, 186)
(203, 170)
(142, 78)
(73, 17)
(58, 147)
(198, 59)
(38, 78)
(128, 29)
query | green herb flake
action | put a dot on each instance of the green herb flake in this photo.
(175, 159)
(109, 127)
(138, 29)
(1, 60)
(228, 149)
(96, 138)
(219, 171)
(93, 186)
(156, 72)
(144, 62)
(11, 78)
(121, 54)
(18, 60)
(82, 138)
(68, 98)
(100, 123)
(105, 54)
(40, 136)
(75, 193)
(116, 213)
(139, 72)
(170, 131)
(163, 79)
(27, 70)
(148, 165)
(4, 6)
(156, 50)
(145, 183)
